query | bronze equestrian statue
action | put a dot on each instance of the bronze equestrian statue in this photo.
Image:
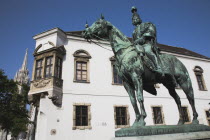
(137, 72)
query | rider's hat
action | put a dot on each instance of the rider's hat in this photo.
(135, 14)
(133, 9)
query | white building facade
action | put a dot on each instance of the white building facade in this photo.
(77, 94)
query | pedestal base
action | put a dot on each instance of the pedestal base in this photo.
(160, 130)
(205, 135)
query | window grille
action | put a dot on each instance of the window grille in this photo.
(116, 77)
(48, 66)
(81, 71)
(121, 116)
(157, 115)
(58, 68)
(81, 115)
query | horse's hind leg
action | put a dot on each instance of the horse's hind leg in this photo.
(187, 88)
(176, 97)
(132, 96)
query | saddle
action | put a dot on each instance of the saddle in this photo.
(166, 70)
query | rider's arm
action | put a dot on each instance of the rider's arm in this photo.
(150, 33)
(140, 41)
(138, 38)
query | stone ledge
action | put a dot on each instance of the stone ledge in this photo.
(160, 130)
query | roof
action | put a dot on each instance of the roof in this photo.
(75, 33)
(166, 48)
(179, 50)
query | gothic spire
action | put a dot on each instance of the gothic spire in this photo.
(22, 76)
(24, 65)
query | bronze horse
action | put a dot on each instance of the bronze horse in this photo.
(137, 76)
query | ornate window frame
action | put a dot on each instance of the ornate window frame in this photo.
(82, 56)
(74, 116)
(54, 52)
(207, 118)
(199, 71)
(162, 114)
(188, 114)
(127, 117)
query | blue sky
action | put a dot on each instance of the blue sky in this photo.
(181, 23)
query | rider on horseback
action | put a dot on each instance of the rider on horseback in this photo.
(144, 37)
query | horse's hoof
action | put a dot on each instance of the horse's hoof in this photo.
(139, 124)
(136, 124)
(142, 122)
(195, 122)
(181, 122)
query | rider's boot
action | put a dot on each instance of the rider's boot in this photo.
(158, 68)
(160, 71)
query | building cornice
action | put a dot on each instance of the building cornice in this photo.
(186, 56)
(49, 32)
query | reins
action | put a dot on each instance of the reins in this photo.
(99, 44)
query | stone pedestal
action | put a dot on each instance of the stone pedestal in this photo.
(205, 135)
(189, 131)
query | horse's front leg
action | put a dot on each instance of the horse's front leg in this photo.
(131, 93)
(139, 93)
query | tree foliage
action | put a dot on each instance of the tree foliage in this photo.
(13, 112)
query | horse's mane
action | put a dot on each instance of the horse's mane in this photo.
(118, 32)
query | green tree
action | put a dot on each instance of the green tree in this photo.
(13, 113)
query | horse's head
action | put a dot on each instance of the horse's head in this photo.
(98, 29)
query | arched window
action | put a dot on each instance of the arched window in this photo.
(199, 76)
(81, 65)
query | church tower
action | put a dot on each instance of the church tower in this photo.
(22, 76)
